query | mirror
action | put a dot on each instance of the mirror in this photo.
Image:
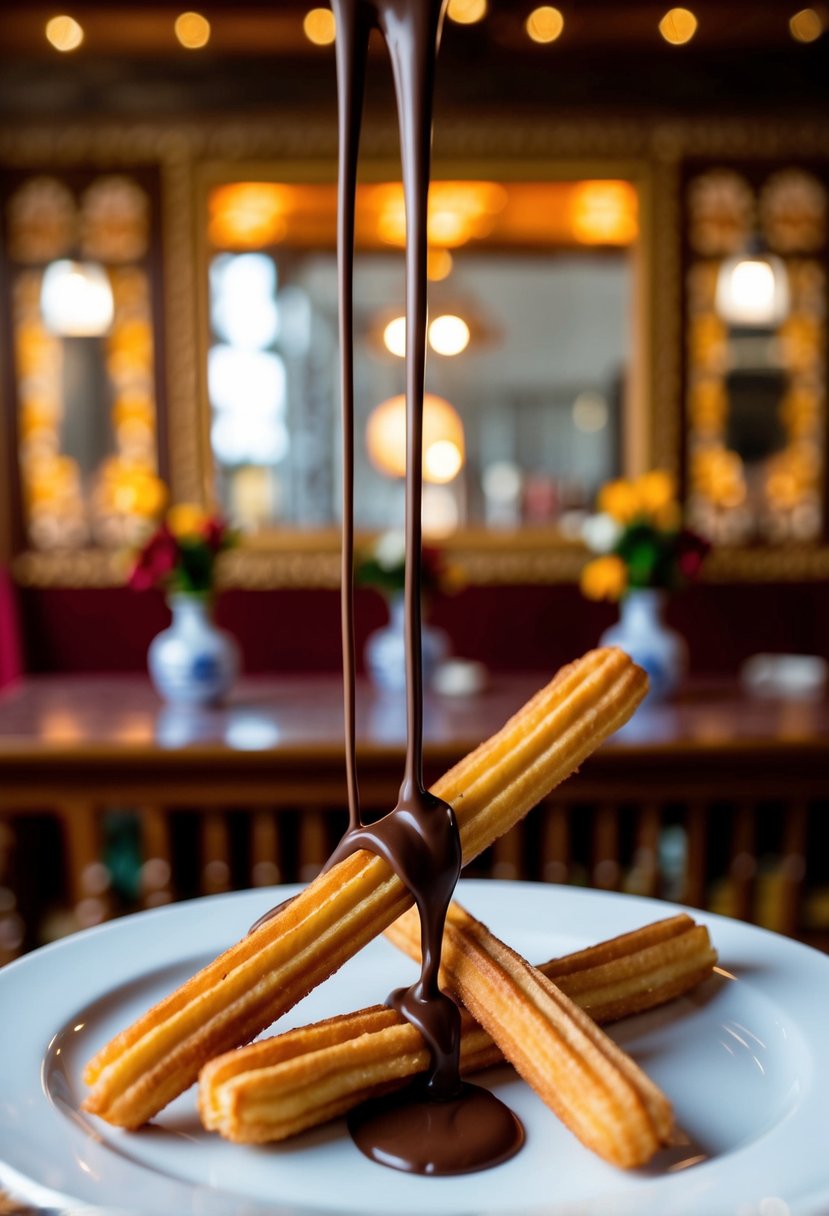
(82, 284)
(531, 361)
(756, 359)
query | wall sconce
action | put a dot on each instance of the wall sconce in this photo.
(753, 290)
(76, 299)
(444, 449)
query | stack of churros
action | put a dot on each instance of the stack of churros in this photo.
(277, 1087)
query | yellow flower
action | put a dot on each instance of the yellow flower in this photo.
(656, 492)
(620, 500)
(605, 578)
(186, 519)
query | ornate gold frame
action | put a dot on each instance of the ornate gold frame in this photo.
(192, 155)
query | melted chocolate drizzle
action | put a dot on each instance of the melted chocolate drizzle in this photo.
(440, 1125)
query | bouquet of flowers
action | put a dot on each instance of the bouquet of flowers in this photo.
(181, 554)
(382, 565)
(639, 533)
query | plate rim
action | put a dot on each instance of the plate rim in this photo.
(792, 952)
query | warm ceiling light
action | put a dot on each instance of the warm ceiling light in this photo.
(64, 33)
(678, 26)
(443, 439)
(448, 335)
(545, 24)
(394, 337)
(247, 215)
(192, 30)
(604, 213)
(458, 212)
(442, 461)
(466, 12)
(806, 25)
(76, 299)
(753, 290)
(320, 27)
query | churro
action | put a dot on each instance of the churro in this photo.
(279, 1086)
(257, 980)
(593, 1086)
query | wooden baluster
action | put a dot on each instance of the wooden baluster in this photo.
(555, 844)
(743, 865)
(157, 866)
(606, 868)
(265, 849)
(696, 856)
(12, 928)
(215, 841)
(644, 878)
(88, 878)
(313, 842)
(793, 865)
(507, 854)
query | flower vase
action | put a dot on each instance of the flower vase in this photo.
(193, 662)
(642, 633)
(385, 652)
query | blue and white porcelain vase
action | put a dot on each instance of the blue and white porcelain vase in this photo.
(642, 633)
(385, 653)
(193, 662)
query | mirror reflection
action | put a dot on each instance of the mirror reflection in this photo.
(531, 300)
(82, 283)
(756, 383)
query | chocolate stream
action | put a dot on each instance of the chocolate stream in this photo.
(444, 1126)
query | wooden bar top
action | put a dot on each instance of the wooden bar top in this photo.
(75, 716)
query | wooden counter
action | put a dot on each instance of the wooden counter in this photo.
(716, 799)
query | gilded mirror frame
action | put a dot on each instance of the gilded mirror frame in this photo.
(191, 155)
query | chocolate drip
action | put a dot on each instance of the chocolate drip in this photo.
(440, 1126)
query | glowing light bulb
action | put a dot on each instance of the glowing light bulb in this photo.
(320, 27)
(442, 461)
(806, 25)
(76, 299)
(678, 26)
(448, 335)
(64, 33)
(466, 12)
(443, 438)
(394, 337)
(545, 24)
(753, 291)
(192, 30)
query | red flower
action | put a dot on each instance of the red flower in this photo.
(155, 561)
(691, 551)
(215, 533)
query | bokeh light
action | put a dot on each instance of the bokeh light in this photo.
(320, 27)
(678, 26)
(545, 24)
(192, 30)
(64, 33)
(806, 25)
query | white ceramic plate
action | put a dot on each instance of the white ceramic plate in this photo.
(745, 1061)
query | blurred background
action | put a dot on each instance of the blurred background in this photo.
(628, 255)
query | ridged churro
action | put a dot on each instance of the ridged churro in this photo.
(279, 1086)
(593, 1086)
(257, 980)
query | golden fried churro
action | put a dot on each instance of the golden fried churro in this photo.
(285, 1084)
(235, 997)
(592, 1085)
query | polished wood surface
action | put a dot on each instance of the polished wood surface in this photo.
(716, 799)
(75, 717)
